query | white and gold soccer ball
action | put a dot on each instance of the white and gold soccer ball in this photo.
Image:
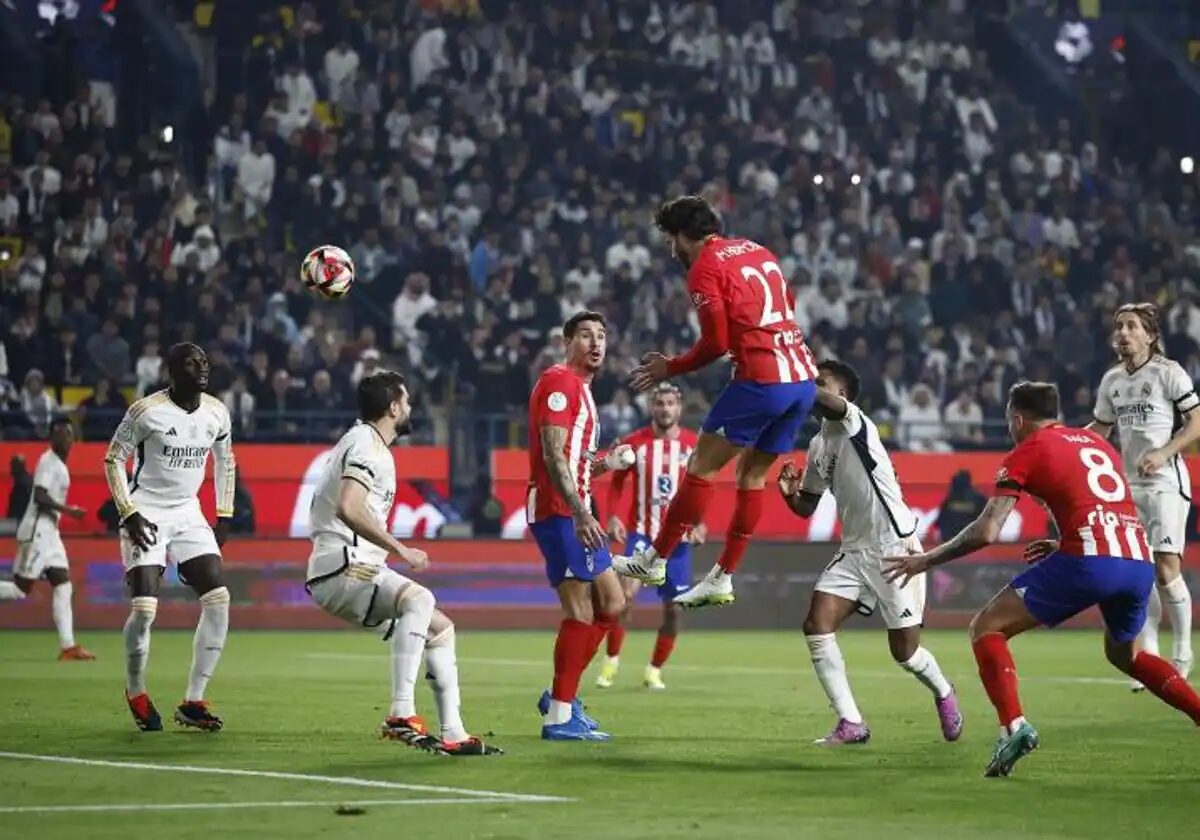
(328, 271)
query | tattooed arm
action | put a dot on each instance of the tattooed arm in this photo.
(554, 442)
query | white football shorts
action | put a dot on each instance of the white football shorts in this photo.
(362, 593)
(857, 575)
(1164, 513)
(44, 551)
(183, 534)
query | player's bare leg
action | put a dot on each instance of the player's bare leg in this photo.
(664, 645)
(203, 575)
(143, 583)
(905, 646)
(1004, 616)
(1155, 673)
(716, 588)
(616, 635)
(441, 662)
(826, 613)
(649, 564)
(64, 619)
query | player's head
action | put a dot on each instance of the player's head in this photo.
(187, 366)
(838, 378)
(382, 395)
(1135, 331)
(666, 405)
(62, 435)
(1031, 405)
(586, 334)
(686, 222)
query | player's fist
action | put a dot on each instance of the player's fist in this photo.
(416, 559)
(653, 369)
(221, 530)
(588, 530)
(620, 457)
(616, 529)
(789, 479)
(1038, 549)
(75, 512)
(141, 531)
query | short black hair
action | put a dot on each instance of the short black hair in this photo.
(846, 374)
(689, 215)
(179, 352)
(1036, 400)
(572, 325)
(376, 393)
(59, 420)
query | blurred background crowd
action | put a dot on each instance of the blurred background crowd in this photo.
(493, 165)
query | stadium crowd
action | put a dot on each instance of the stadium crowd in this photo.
(493, 166)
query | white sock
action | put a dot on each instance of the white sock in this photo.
(442, 663)
(559, 712)
(831, 672)
(137, 643)
(64, 620)
(925, 668)
(9, 591)
(209, 640)
(408, 646)
(614, 661)
(1013, 726)
(1178, 602)
(1148, 638)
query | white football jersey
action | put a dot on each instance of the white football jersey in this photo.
(361, 455)
(1146, 407)
(847, 458)
(51, 473)
(170, 447)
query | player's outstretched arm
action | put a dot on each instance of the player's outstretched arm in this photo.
(224, 470)
(801, 502)
(832, 406)
(120, 450)
(984, 531)
(44, 501)
(554, 442)
(352, 509)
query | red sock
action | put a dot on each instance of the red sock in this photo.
(662, 649)
(603, 625)
(746, 514)
(684, 513)
(1167, 684)
(616, 638)
(573, 651)
(999, 675)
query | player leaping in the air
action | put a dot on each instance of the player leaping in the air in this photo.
(662, 450)
(1151, 401)
(745, 310)
(169, 434)
(848, 459)
(40, 549)
(564, 432)
(348, 574)
(1103, 559)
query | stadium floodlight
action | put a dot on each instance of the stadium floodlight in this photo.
(818, 180)
(1187, 165)
(168, 133)
(856, 179)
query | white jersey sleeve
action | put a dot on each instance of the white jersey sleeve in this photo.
(224, 465)
(129, 436)
(52, 476)
(1179, 388)
(813, 481)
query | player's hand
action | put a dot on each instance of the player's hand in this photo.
(588, 530)
(653, 369)
(616, 529)
(789, 479)
(1038, 549)
(141, 531)
(75, 512)
(221, 530)
(1152, 462)
(905, 568)
(416, 559)
(698, 534)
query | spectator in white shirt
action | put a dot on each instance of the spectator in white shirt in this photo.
(830, 305)
(600, 97)
(148, 368)
(37, 404)
(256, 178)
(757, 45)
(95, 226)
(884, 47)
(413, 302)
(341, 70)
(1060, 230)
(397, 123)
(628, 251)
(756, 175)
(428, 55)
(571, 303)
(964, 418)
(298, 88)
(10, 206)
(619, 417)
(587, 277)
(975, 103)
(459, 146)
(915, 77)
(920, 422)
(203, 245)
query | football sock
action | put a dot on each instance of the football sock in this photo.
(64, 620)
(9, 591)
(602, 625)
(1148, 638)
(137, 643)
(831, 673)
(663, 646)
(1178, 603)
(999, 676)
(573, 649)
(442, 663)
(209, 641)
(684, 513)
(1160, 678)
(408, 647)
(746, 513)
(925, 668)
(616, 638)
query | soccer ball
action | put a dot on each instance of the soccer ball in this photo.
(328, 271)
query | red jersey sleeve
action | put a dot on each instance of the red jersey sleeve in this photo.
(704, 285)
(554, 399)
(1015, 472)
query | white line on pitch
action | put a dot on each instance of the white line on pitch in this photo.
(349, 781)
(216, 806)
(726, 669)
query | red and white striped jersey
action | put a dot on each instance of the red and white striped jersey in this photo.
(656, 475)
(1078, 475)
(561, 397)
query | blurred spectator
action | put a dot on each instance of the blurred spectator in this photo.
(100, 413)
(962, 505)
(326, 406)
(37, 406)
(22, 487)
(276, 416)
(920, 422)
(964, 419)
(619, 417)
(108, 354)
(241, 405)
(410, 305)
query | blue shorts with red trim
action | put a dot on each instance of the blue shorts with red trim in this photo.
(1062, 585)
(679, 566)
(767, 417)
(566, 557)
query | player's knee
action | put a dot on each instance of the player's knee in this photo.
(215, 599)
(981, 624)
(814, 625)
(441, 631)
(1119, 654)
(142, 612)
(416, 598)
(903, 645)
(613, 603)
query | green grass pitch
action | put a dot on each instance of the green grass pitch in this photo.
(725, 752)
